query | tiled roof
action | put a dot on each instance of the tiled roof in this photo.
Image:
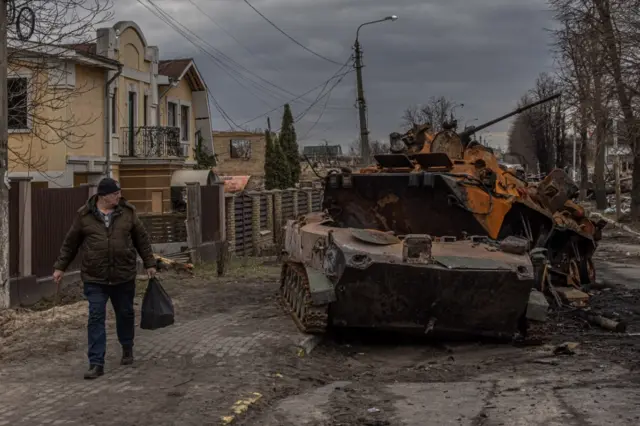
(173, 68)
(83, 47)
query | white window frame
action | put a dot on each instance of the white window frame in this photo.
(28, 75)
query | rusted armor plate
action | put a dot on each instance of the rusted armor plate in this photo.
(374, 237)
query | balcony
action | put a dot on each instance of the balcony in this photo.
(151, 142)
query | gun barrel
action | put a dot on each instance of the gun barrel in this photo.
(475, 129)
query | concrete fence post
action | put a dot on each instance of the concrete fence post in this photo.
(255, 221)
(230, 218)
(269, 195)
(277, 216)
(309, 194)
(296, 211)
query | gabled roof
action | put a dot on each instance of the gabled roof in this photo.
(81, 53)
(173, 68)
(177, 69)
(83, 47)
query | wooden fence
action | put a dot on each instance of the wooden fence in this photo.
(54, 210)
(164, 228)
(243, 224)
(254, 218)
(39, 219)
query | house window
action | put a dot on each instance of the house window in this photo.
(171, 115)
(184, 122)
(114, 111)
(240, 148)
(18, 103)
(146, 109)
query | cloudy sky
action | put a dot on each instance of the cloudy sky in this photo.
(482, 53)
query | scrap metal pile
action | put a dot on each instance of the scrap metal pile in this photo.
(437, 238)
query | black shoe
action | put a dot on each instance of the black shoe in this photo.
(127, 356)
(94, 372)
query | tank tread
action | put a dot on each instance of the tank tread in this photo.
(296, 297)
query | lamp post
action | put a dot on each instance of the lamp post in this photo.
(362, 106)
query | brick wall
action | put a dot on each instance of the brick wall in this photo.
(267, 212)
(253, 165)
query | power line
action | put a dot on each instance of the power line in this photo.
(221, 27)
(323, 85)
(324, 107)
(177, 26)
(185, 32)
(215, 102)
(301, 98)
(289, 37)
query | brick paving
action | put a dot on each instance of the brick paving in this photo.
(186, 359)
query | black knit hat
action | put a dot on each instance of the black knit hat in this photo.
(108, 186)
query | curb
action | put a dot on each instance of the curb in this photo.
(308, 344)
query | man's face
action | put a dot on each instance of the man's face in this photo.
(112, 199)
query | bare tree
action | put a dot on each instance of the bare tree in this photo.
(435, 112)
(598, 49)
(40, 93)
(538, 134)
(521, 143)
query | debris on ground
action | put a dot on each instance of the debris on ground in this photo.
(573, 296)
(538, 307)
(567, 348)
(177, 264)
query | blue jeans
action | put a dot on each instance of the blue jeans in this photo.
(121, 296)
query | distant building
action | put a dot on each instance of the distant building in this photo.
(322, 152)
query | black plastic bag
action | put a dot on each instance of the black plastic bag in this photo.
(157, 307)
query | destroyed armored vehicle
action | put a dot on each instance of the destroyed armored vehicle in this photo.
(436, 238)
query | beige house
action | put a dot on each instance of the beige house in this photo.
(130, 115)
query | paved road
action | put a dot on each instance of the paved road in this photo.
(236, 362)
(512, 386)
(565, 398)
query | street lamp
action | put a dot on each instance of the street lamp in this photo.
(362, 106)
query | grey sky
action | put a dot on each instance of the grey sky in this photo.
(483, 53)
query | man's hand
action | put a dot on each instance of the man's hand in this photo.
(57, 276)
(151, 272)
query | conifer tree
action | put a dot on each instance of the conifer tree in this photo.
(289, 146)
(276, 169)
(282, 166)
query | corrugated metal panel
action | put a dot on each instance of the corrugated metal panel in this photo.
(211, 212)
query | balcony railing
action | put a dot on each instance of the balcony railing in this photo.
(151, 141)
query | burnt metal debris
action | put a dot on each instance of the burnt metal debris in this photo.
(436, 238)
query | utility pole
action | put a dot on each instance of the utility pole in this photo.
(4, 162)
(362, 109)
(362, 105)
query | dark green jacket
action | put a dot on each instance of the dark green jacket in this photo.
(108, 255)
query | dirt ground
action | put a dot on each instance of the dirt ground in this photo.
(233, 358)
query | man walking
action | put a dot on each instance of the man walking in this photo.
(109, 232)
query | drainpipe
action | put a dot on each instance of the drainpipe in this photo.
(172, 83)
(107, 122)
